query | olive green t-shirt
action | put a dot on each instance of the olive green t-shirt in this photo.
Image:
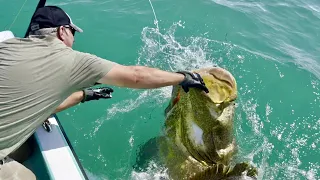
(36, 75)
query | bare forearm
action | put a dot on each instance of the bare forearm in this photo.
(154, 78)
(72, 100)
(141, 77)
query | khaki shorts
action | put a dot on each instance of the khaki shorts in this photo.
(12, 170)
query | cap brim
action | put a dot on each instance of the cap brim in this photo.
(73, 25)
(76, 28)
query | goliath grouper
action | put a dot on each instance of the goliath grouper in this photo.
(199, 141)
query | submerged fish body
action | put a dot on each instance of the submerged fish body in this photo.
(199, 141)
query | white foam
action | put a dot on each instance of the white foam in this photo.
(92, 176)
(153, 172)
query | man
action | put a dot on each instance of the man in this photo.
(39, 72)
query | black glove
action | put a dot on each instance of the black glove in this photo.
(97, 93)
(192, 80)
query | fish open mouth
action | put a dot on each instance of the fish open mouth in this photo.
(221, 84)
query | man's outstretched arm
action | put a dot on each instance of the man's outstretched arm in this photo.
(142, 77)
(72, 100)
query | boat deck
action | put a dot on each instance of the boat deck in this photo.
(36, 162)
(53, 156)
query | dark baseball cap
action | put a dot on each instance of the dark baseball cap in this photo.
(51, 17)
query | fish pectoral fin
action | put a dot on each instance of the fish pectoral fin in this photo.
(241, 168)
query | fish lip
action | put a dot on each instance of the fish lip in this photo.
(222, 75)
(220, 79)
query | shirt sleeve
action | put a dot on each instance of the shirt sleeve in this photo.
(86, 69)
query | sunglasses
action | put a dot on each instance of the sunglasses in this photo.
(73, 31)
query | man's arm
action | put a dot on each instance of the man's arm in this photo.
(89, 68)
(140, 77)
(88, 94)
(72, 100)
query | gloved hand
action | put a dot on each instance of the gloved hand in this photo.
(97, 93)
(192, 80)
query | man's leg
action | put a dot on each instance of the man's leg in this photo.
(12, 170)
(23, 152)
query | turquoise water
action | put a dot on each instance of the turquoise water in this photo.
(271, 47)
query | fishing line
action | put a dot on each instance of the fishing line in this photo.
(155, 21)
(17, 15)
(155, 16)
(131, 140)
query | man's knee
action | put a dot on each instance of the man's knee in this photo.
(11, 169)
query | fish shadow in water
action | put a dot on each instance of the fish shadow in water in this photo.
(148, 152)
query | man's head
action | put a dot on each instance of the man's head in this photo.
(52, 19)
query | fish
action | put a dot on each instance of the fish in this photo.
(198, 142)
(199, 138)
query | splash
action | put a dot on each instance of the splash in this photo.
(153, 172)
(92, 176)
(172, 54)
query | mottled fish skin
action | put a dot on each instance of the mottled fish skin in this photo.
(199, 141)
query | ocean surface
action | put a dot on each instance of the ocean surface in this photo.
(271, 47)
